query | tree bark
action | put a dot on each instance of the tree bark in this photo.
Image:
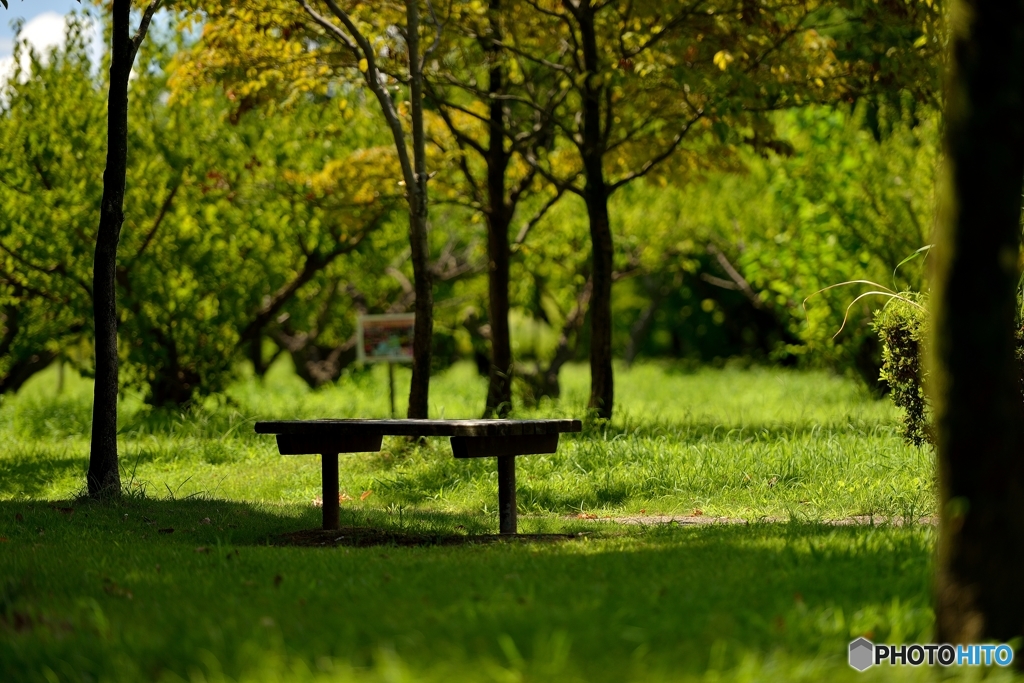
(595, 195)
(104, 480)
(978, 410)
(499, 217)
(423, 334)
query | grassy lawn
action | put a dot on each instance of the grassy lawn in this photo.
(92, 592)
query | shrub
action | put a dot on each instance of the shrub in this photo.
(902, 328)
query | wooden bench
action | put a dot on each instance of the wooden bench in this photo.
(501, 439)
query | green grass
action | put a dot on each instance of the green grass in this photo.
(102, 595)
(747, 444)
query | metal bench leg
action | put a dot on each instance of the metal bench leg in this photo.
(329, 494)
(506, 493)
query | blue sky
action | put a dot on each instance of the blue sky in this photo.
(30, 10)
(43, 27)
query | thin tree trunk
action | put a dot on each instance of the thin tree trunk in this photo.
(595, 194)
(602, 387)
(423, 334)
(978, 412)
(104, 480)
(414, 173)
(499, 217)
(499, 385)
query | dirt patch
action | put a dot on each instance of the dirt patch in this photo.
(706, 520)
(361, 537)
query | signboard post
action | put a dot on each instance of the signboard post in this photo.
(386, 339)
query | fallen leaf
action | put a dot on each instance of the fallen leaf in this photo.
(202, 549)
(643, 511)
(204, 520)
(697, 512)
(342, 497)
(168, 530)
(111, 588)
(586, 515)
(318, 502)
(365, 495)
(19, 518)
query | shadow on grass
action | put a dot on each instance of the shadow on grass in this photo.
(645, 603)
(202, 522)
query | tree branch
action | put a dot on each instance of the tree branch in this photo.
(140, 34)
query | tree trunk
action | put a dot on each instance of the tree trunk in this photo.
(978, 413)
(602, 388)
(595, 194)
(419, 388)
(499, 217)
(104, 480)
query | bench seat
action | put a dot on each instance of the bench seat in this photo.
(501, 439)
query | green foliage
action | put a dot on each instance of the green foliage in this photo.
(901, 326)
(234, 226)
(50, 120)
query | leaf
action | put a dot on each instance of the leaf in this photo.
(722, 59)
(365, 495)
(363, 65)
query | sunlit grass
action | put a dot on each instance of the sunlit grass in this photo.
(738, 443)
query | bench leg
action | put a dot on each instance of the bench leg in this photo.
(329, 493)
(507, 493)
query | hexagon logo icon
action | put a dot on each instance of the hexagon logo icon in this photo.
(862, 654)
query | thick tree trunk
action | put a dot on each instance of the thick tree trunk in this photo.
(595, 194)
(104, 480)
(499, 217)
(419, 389)
(978, 414)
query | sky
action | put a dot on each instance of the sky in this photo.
(44, 26)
